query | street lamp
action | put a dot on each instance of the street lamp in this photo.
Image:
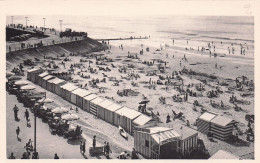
(36, 108)
(60, 25)
(12, 20)
(26, 21)
(44, 22)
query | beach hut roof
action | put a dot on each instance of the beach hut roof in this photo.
(69, 87)
(90, 97)
(48, 77)
(51, 81)
(34, 69)
(222, 120)
(127, 112)
(163, 135)
(223, 155)
(207, 116)
(141, 120)
(184, 131)
(57, 81)
(114, 107)
(81, 92)
(97, 100)
(105, 103)
(43, 74)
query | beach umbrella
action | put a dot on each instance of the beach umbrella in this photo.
(28, 87)
(60, 110)
(9, 74)
(47, 100)
(144, 102)
(21, 82)
(14, 78)
(70, 117)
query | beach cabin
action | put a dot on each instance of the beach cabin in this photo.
(40, 77)
(156, 142)
(220, 154)
(188, 138)
(94, 105)
(110, 112)
(222, 127)
(86, 101)
(124, 117)
(66, 90)
(50, 85)
(77, 96)
(140, 121)
(56, 84)
(45, 81)
(101, 107)
(32, 74)
(203, 122)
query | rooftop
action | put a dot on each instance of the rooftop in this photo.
(142, 119)
(114, 107)
(69, 87)
(221, 120)
(127, 112)
(81, 92)
(207, 116)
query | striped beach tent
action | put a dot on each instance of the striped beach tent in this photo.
(222, 127)
(40, 77)
(77, 96)
(57, 84)
(86, 101)
(94, 105)
(203, 122)
(32, 74)
(66, 90)
(45, 81)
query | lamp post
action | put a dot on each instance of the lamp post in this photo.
(60, 25)
(12, 20)
(36, 108)
(44, 22)
(26, 19)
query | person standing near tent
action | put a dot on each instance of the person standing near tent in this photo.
(94, 141)
(26, 114)
(17, 131)
(107, 150)
(56, 156)
(16, 109)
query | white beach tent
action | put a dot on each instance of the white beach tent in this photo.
(93, 105)
(124, 117)
(66, 90)
(32, 74)
(86, 101)
(45, 79)
(40, 77)
(101, 108)
(110, 111)
(141, 120)
(77, 96)
(56, 84)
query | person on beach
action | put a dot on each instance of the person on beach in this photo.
(17, 132)
(12, 156)
(94, 141)
(107, 150)
(168, 119)
(83, 148)
(56, 156)
(26, 114)
(16, 109)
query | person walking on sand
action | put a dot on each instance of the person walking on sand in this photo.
(107, 150)
(17, 132)
(12, 156)
(16, 109)
(94, 141)
(56, 156)
(26, 114)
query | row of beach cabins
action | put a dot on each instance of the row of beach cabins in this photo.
(150, 139)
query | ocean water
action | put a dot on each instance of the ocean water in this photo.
(162, 29)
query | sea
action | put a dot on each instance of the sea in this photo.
(161, 29)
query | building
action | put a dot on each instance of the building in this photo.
(102, 107)
(66, 90)
(45, 83)
(94, 105)
(156, 142)
(203, 122)
(77, 96)
(40, 77)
